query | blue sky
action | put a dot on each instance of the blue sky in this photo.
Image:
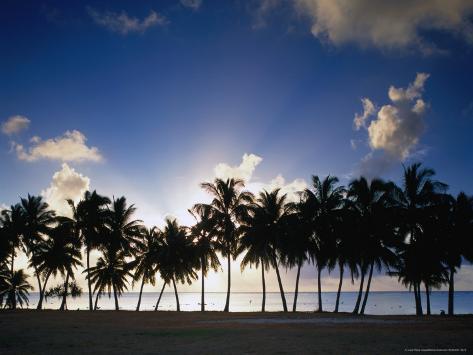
(156, 94)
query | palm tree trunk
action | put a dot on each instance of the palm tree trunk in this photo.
(116, 297)
(263, 305)
(202, 297)
(141, 292)
(97, 299)
(419, 297)
(367, 289)
(296, 292)
(42, 290)
(360, 292)
(12, 260)
(319, 288)
(38, 278)
(227, 302)
(427, 294)
(337, 302)
(66, 284)
(177, 297)
(89, 285)
(159, 298)
(281, 290)
(13, 296)
(451, 292)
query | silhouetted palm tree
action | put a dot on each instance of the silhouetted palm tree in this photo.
(14, 289)
(325, 200)
(12, 225)
(62, 291)
(178, 257)
(146, 260)
(228, 207)
(373, 202)
(265, 229)
(110, 274)
(38, 220)
(89, 215)
(419, 192)
(204, 235)
(457, 218)
(58, 253)
(296, 242)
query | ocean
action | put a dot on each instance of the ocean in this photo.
(379, 303)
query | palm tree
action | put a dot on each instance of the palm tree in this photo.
(266, 228)
(228, 207)
(457, 218)
(146, 260)
(123, 233)
(58, 254)
(89, 216)
(325, 201)
(178, 257)
(37, 224)
(62, 291)
(15, 289)
(203, 233)
(373, 203)
(110, 274)
(12, 222)
(296, 242)
(418, 193)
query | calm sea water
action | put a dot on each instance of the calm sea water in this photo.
(378, 302)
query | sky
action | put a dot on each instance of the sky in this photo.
(148, 99)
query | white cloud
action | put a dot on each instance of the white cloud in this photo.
(397, 128)
(368, 110)
(243, 171)
(261, 12)
(123, 23)
(387, 24)
(67, 183)
(192, 4)
(15, 124)
(3, 207)
(69, 147)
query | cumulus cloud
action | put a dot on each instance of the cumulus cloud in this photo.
(243, 171)
(67, 183)
(3, 207)
(387, 24)
(396, 130)
(123, 23)
(192, 4)
(71, 146)
(291, 189)
(15, 124)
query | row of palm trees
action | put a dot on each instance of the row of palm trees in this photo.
(417, 232)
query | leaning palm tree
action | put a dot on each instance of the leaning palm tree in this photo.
(110, 274)
(58, 254)
(325, 200)
(38, 220)
(178, 258)
(62, 291)
(14, 289)
(89, 215)
(419, 192)
(203, 233)
(228, 207)
(146, 260)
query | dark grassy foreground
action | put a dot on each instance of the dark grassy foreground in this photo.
(219, 333)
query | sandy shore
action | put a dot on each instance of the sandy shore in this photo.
(218, 333)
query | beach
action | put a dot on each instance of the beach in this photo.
(125, 332)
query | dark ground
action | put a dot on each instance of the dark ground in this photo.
(127, 332)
